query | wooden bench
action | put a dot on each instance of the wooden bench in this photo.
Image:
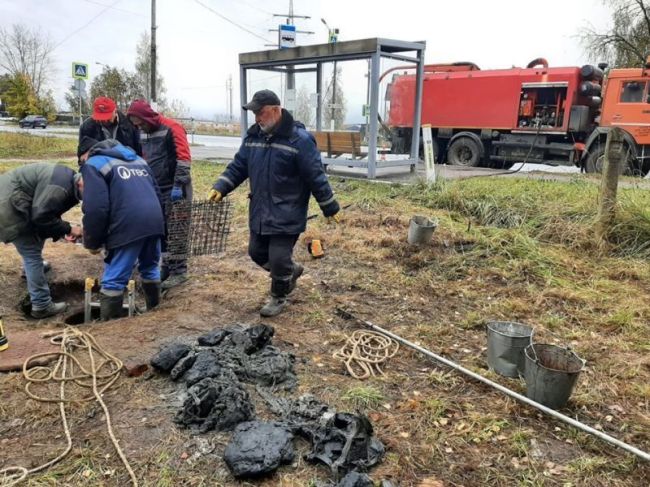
(335, 144)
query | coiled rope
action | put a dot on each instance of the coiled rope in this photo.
(104, 369)
(364, 352)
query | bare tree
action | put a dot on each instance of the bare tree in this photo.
(143, 70)
(303, 111)
(627, 42)
(334, 107)
(29, 52)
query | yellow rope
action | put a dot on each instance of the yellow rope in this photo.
(68, 369)
(364, 351)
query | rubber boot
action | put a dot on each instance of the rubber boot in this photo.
(151, 291)
(297, 272)
(51, 310)
(174, 280)
(279, 290)
(110, 307)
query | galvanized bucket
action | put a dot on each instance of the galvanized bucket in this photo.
(421, 230)
(506, 343)
(551, 374)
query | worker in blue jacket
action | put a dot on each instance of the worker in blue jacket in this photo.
(123, 214)
(284, 167)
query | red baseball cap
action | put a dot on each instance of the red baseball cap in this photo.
(103, 109)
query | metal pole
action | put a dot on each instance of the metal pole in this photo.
(319, 97)
(374, 115)
(551, 412)
(80, 114)
(153, 51)
(417, 110)
(243, 117)
(333, 120)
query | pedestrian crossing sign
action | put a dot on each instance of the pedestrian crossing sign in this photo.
(79, 71)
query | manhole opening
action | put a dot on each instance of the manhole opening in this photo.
(72, 292)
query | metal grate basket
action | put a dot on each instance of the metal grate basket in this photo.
(198, 228)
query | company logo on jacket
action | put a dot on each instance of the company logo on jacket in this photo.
(126, 173)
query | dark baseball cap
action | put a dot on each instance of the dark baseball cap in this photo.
(261, 99)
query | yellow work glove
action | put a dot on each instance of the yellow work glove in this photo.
(335, 218)
(215, 195)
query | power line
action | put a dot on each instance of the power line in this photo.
(131, 12)
(230, 21)
(86, 24)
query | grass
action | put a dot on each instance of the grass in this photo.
(26, 146)
(518, 250)
(363, 397)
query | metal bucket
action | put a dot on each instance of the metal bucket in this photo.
(551, 374)
(421, 230)
(506, 341)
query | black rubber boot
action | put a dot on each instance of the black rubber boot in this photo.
(110, 307)
(297, 272)
(151, 291)
(279, 290)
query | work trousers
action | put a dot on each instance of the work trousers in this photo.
(176, 263)
(120, 262)
(274, 253)
(30, 248)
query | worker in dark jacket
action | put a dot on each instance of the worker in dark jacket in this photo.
(32, 199)
(107, 122)
(123, 214)
(284, 166)
(165, 148)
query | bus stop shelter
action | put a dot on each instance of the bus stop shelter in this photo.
(310, 59)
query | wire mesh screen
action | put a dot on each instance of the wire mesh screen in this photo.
(198, 228)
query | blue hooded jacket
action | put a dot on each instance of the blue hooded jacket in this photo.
(284, 169)
(121, 201)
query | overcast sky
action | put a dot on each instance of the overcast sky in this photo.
(198, 50)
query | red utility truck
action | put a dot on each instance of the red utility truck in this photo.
(538, 114)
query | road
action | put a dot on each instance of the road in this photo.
(214, 147)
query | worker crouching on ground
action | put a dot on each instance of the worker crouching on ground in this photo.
(32, 200)
(123, 214)
(284, 166)
(107, 122)
(165, 148)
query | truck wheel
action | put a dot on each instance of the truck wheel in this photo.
(464, 151)
(596, 160)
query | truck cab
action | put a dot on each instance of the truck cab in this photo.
(626, 104)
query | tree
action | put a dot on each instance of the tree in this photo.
(119, 85)
(177, 109)
(28, 52)
(20, 96)
(303, 110)
(336, 110)
(143, 70)
(627, 42)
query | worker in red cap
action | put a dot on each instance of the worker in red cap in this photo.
(107, 122)
(166, 150)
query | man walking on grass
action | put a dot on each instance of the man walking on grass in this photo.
(284, 167)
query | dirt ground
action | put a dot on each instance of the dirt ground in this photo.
(440, 428)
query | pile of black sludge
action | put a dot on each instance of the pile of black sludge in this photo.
(215, 371)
